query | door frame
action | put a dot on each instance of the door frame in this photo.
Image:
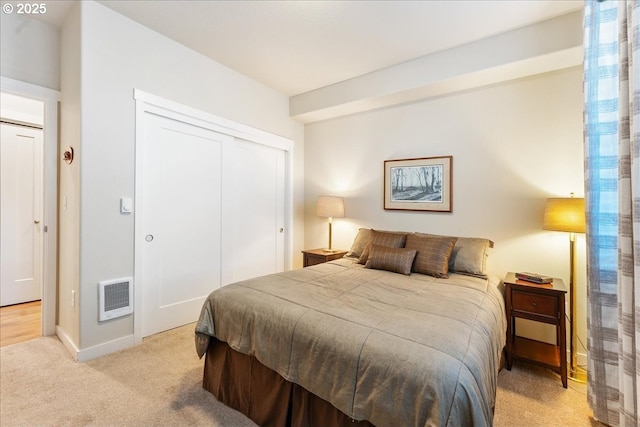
(153, 104)
(49, 272)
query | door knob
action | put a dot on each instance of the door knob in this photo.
(36, 221)
(148, 237)
(281, 230)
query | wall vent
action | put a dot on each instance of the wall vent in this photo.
(115, 298)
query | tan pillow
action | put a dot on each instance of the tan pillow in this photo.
(359, 243)
(396, 260)
(469, 255)
(383, 238)
(433, 254)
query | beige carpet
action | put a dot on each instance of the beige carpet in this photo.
(158, 383)
(532, 396)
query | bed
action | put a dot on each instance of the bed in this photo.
(406, 330)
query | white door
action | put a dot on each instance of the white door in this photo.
(259, 210)
(20, 214)
(179, 190)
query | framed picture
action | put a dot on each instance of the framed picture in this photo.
(418, 184)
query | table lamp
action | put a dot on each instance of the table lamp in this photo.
(330, 207)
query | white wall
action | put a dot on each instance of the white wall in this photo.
(29, 51)
(116, 56)
(21, 109)
(513, 145)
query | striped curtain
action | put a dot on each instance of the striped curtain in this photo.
(612, 188)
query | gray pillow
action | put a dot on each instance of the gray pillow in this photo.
(359, 243)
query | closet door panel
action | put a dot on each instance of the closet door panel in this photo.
(181, 234)
(258, 210)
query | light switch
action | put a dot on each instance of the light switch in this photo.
(126, 205)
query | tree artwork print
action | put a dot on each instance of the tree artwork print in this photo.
(420, 184)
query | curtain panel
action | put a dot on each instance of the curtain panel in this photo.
(612, 193)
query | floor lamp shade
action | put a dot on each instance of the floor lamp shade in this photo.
(567, 214)
(564, 214)
(330, 207)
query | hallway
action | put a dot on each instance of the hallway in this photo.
(20, 322)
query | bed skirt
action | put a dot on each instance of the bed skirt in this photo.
(246, 385)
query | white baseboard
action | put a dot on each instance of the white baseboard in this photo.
(96, 351)
(64, 338)
(105, 348)
(581, 359)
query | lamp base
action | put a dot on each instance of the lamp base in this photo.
(578, 374)
(330, 251)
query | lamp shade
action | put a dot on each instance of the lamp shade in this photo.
(330, 207)
(564, 214)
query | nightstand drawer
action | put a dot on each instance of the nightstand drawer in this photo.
(318, 256)
(310, 260)
(535, 303)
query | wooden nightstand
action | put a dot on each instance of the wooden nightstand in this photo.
(540, 303)
(318, 256)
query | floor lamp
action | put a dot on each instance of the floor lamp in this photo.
(567, 214)
(330, 207)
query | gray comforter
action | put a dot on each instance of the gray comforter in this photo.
(394, 350)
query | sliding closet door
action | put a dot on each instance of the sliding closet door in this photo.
(212, 207)
(258, 184)
(179, 241)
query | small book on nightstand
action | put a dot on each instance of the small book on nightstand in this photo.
(534, 278)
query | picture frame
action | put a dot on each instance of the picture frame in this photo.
(420, 184)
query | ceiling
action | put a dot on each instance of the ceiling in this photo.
(298, 46)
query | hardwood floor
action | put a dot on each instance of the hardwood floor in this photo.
(20, 322)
